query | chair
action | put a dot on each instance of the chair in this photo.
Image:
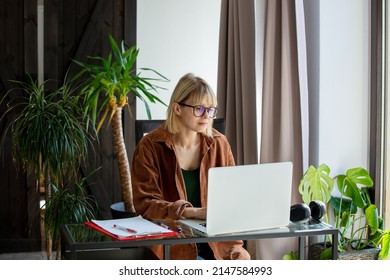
(143, 127)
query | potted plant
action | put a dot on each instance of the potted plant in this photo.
(49, 137)
(106, 86)
(66, 205)
(355, 216)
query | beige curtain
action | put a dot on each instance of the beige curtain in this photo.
(284, 94)
(281, 111)
(236, 88)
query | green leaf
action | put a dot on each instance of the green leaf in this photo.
(385, 245)
(349, 189)
(371, 213)
(326, 254)
(348, 185)
(291, 256)
(345, 219)
(148, 110)
(341, 205)
(316, 184)
(116, 51)
(360, 176)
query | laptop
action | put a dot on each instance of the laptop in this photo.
(246, 198)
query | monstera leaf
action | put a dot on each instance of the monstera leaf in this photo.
(316, 184)
(348, 185)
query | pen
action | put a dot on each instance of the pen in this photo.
(163, 225)
(125, 229)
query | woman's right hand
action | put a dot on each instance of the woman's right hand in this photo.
(195, 213)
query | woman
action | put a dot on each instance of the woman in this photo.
(170, 166)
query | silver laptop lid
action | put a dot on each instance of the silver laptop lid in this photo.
(248, 197)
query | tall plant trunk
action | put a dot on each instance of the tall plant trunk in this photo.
(122, 160)
(58, 245)
(49, 241)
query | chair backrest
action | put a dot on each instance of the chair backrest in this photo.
(219, 124)
(143, 127)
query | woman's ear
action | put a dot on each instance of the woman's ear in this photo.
(176, 109)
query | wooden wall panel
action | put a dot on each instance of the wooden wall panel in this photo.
(19, 201)
(72, 29)
(81, 29)
(130, 37)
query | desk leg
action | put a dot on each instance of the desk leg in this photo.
(335, 241)
(301, 247)
(73, 254)
(166, 252)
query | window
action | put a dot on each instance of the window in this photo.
(385, 191)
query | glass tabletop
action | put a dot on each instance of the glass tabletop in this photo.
(81, 233)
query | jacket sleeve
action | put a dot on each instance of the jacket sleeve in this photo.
(148, 194)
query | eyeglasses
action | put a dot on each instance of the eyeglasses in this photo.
(199, 110)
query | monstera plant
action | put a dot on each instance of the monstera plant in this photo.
(316, 184)
(357, 219)
(106, 85)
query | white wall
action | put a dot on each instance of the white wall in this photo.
(176, 37)
(344, 84)
(180, 36)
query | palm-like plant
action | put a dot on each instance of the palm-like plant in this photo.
(111, 80)
(49, 135)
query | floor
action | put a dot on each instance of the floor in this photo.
(24, 256)
(40, 255)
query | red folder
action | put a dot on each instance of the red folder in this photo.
(116, 237)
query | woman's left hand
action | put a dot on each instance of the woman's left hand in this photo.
(195, 213)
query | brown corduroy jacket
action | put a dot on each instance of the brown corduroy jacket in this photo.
(159, 191)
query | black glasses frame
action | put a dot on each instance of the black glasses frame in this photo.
(214, 110)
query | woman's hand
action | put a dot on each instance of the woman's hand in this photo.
(195, 213)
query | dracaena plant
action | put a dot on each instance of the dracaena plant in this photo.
(49, 136)
(47, 129)
(68, 204)
(106, 85)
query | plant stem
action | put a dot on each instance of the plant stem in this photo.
(122, 160)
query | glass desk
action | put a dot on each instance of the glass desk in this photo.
(78, 239)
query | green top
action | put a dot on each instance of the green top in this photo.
(192, 182)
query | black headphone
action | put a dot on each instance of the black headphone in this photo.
(301, 212)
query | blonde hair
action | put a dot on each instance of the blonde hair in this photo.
(190, 87)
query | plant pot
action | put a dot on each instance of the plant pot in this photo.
(370, 253)
(118, 211)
